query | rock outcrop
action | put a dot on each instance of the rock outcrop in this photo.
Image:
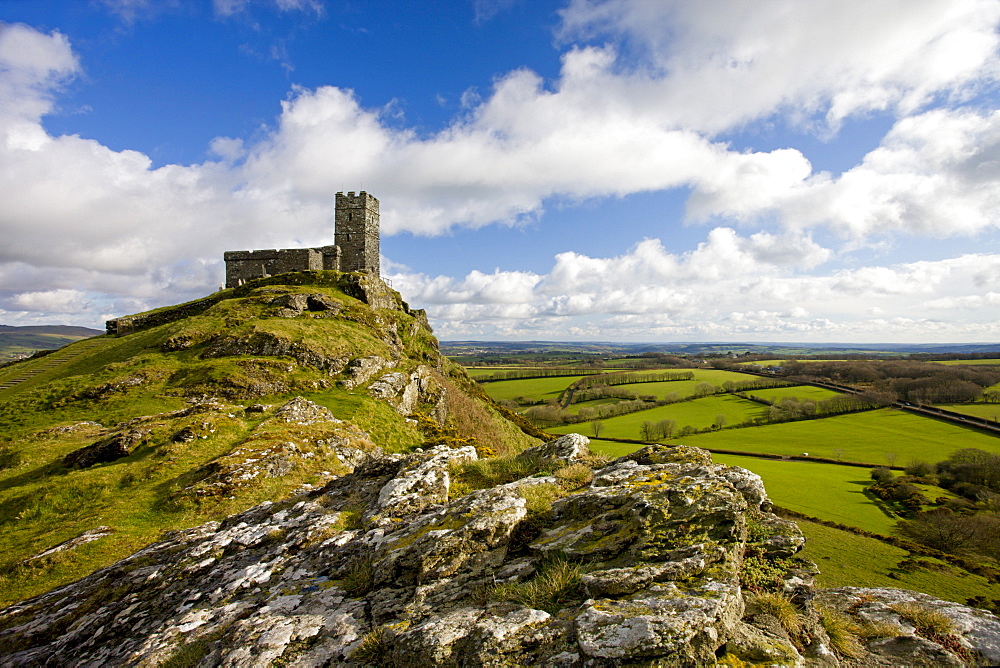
(654, 557)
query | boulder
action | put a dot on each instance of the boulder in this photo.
(642, 566)
(112, 448)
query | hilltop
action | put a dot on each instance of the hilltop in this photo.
(181, 420)
(290, 473)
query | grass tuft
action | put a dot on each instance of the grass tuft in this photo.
(373, 650)
(574, 476)
(842, 630)
(780, 607)
(556, 584)
(927, 622)
(359, 579)
(486, 473)
(539, 497)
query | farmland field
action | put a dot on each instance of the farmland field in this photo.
(549, 388)
(575, 408)
(714, 376)
(986, 411)
(835, 493)
(846, 559)
(804, 392)
(994, 362)
(862, 437)
(698, 413)
(536, 388)
(660, 389)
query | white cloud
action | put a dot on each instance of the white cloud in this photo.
(650, 294)
(231, 7)
(50, 301)
(729, 63)
(613, 123)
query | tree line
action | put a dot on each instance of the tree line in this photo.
(908, 380)
(524, 374)
(968, 524)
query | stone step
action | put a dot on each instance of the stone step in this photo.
(52, 361)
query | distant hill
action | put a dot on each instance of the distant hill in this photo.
(22, 341)
(465, 348)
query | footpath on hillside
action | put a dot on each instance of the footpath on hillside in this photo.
(31, 368)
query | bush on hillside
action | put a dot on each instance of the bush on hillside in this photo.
(881, 474)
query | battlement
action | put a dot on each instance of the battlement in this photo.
(357, 232)
(356, 247)
(360, 201)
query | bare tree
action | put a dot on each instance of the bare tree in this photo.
(891, 458)
(597, 426)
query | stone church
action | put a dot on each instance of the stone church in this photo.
(356, 247)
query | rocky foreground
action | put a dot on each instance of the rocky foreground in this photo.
(660, 557)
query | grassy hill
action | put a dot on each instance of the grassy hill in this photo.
(17, 342)
(194, 408)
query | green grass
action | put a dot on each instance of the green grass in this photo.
(863, 437)
(846, 559)
(835, 493)
(575, 408)
(986, 411)
(42, 503)
(540, 389)
(803, 392)
(685, 388)
(699, 413)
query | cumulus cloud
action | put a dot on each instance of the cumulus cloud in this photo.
(651, 294)
(50, 301)
(730, 63)
(639, 104)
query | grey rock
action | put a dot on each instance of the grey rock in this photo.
(112, 448)
(976, 630)
(567, 449)
(362, 369)
(382, 567)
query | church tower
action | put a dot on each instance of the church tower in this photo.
(357, 232)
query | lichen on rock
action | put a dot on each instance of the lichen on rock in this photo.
(642, 565)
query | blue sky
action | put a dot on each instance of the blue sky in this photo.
(633, 170)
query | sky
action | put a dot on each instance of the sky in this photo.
(595, 170)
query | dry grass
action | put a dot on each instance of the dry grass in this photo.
(926, 621)
(574, 475)
(780, 607)
(842, 630)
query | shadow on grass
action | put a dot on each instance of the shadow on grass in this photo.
(49, 470)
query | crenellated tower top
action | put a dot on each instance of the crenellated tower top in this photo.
(357, 232)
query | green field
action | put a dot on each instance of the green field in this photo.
(539, 389)
(986, 411)
(660, 389)
(994, 362)
(862, 437)
(698, 413)
(846, 559)
(575, 408)
(803, 392)
(542, 389)
(835, 493)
